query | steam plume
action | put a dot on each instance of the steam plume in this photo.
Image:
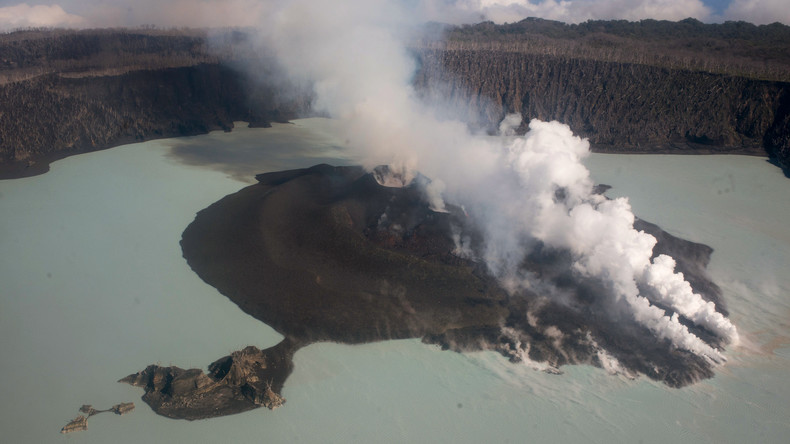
(521, 190)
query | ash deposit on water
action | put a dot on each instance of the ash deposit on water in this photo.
(466, 240)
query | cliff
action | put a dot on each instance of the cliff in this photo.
(644, 87)
(51, 116)
(620, 107)
(28, 54)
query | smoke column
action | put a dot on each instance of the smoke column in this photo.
(355, 54)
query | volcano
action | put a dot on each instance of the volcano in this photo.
(333, 254)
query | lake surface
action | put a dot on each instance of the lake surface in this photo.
(93, 287)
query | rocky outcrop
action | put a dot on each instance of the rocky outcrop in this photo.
(244, 380)
(81, 422)
(122, 408)
(620, 107)
(77, 424)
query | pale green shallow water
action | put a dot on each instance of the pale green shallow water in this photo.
(93, 287)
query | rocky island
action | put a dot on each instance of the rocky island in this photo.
(331, 254)
(246, 379)
(80, 423)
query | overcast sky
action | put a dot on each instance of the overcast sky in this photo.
(201, 13)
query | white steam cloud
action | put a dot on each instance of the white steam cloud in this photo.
(355, 54)
(568, 11)
(23, 15)
(760, 12)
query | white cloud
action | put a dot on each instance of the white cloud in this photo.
(187, 13)
(760, 12)
(569, 11)
(215, 13)
(23, 16)
(119, 13)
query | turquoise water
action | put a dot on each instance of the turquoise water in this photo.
(93, 287)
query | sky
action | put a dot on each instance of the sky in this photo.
(201, 13)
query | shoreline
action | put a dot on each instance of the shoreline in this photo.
(682, 149)
(40, 164)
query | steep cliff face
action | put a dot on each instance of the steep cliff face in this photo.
(619, 107)
(777, 139)
(52, 116)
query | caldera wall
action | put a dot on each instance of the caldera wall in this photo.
(52, 116)
(620, 107)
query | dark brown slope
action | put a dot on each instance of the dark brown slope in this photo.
(292, 252)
